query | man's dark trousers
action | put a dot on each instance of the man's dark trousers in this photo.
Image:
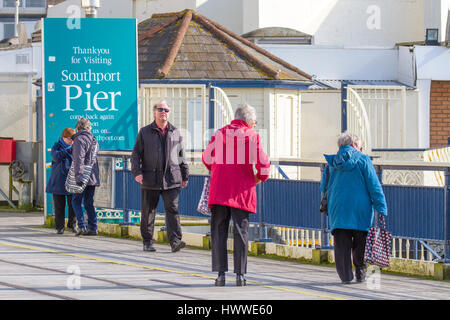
(220, 221)
(149, 203)
(347, 244)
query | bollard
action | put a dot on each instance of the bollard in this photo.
(25, 195)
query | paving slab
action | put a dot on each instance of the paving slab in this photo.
(36, 263)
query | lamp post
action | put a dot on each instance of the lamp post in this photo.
(90, 6)
(16, 22)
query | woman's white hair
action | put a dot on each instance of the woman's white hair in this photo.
(245, 112)
(348, 138)
(83, 124)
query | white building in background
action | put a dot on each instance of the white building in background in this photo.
(336, 40)
(335, 23)
(30, 11)
(346, 40)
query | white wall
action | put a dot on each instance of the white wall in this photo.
(435, 16)
(108, 9)
(338, 23)
(433, 62)
(343, 23)
(227, 13)
(406, 66)
(8, 60)
(337, 63)
(145, 8)
(14, 118)
(424, 85)
(413, 120)
(320, 126)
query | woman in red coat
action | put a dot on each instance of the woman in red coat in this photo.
(231, 156)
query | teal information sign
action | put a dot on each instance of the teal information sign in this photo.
(90, 71)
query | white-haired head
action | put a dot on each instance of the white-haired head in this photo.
(349, 139)
(245, 112)
(161, 103)
(83, 124)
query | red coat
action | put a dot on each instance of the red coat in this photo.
(230, 156)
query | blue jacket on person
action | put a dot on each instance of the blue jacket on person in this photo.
(61, 161)
(354, 190)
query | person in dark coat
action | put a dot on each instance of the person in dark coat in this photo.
(231, 156)
(61, 161)
(85, 149)
(158, 165)
(354, 191)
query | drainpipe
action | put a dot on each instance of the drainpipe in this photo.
(16, 23)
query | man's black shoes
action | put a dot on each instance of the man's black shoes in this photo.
(177, 246)
(149, 247)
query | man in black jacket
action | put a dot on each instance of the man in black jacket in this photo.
(157, 163)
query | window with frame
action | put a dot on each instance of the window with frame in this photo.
(8, 30)
(35, 3)
(9, 3)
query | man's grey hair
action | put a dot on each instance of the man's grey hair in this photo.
(348, 138)
(162, 102)
(83, 124)
(245, 112)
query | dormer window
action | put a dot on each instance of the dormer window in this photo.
(276, 35)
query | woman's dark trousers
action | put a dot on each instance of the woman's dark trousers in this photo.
(347, 244)
(149, 202)
(220, 221)
(59, 203)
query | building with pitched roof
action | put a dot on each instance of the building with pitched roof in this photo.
(202, 68)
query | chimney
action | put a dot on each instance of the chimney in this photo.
(90, 7)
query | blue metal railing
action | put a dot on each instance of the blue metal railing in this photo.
(414, 212)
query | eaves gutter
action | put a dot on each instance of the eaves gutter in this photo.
(227, 83)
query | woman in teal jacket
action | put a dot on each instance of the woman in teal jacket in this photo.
(354, 191)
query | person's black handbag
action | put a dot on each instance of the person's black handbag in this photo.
(324, 202)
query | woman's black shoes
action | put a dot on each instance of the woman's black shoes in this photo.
(81, 232)
(240, 280)
(220, 281)
(86, 232)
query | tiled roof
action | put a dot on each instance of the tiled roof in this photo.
(187, 45)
